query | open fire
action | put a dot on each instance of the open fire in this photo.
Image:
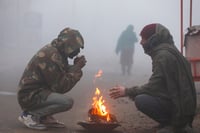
(100, 119)
(99, 112)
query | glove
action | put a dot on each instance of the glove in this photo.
(80, 61)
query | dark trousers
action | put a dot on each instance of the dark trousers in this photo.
(156, 108)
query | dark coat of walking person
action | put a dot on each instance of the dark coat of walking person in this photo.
(169, 97)
(126, 47)
(47, 77)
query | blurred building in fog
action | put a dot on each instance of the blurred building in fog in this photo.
(19, 24)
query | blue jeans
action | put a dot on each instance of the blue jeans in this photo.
(156, 108)
(55, 103)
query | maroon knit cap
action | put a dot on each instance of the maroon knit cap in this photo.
(148, 31)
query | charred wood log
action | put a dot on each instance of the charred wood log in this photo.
(99, 118)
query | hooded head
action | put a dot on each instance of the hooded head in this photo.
(148, 31)
(153, 35)
(69, 42)
(130, 27)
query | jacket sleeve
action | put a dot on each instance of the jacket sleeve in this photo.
(155, 85)
(58, 75)
(65, 81)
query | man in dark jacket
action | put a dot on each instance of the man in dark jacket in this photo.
(47, 77)
(169, 97)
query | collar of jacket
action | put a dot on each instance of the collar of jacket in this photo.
(161, 46)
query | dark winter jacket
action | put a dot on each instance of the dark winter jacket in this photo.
(171, 76)
(126, 40)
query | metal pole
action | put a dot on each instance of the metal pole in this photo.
(190, 13)
(181, 24)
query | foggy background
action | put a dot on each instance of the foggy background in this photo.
(28, 25)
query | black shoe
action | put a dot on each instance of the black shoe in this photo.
(170, 129)
(188, 129)
(166, 129)
(159, 126)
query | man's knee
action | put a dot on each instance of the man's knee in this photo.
(139, 101)
(143, 101)
(61, 100)
(68, 103)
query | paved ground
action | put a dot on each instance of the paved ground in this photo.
(130, 119)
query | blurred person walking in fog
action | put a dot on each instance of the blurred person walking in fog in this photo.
(126, 47)
(47, 77)
(169, 97)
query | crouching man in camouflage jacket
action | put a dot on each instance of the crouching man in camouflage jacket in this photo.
(47, 77)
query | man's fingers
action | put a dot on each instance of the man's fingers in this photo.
(115, 94)
(114, 89)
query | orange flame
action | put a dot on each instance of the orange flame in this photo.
(99, 74)
(98, 105)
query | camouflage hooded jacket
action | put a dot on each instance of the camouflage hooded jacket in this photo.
(48, 71)
(171, 76)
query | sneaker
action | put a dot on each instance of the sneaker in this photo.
(28, 121)
(50, 121)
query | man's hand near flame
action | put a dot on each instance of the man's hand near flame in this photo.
(80, 61)
(117, 92)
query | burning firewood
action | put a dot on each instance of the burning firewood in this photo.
(109, 118)
(99, 117)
